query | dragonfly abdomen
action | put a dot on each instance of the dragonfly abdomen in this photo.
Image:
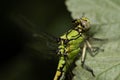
(60, 68)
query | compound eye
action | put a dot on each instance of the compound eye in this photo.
(85, 24)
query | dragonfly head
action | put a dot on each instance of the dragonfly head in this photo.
(83, 24)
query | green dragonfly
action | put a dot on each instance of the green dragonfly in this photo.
(73, 43)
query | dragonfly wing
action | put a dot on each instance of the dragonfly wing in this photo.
(37, 39)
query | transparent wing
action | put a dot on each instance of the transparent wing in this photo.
(37, 39)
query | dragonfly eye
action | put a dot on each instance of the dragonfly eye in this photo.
(85, 24)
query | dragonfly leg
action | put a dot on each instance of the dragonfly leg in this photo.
(69, 67)
(92, 50)
(83, 60)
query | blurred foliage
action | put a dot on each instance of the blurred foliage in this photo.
(24, 56)
(105, 15)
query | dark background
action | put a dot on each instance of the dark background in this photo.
(22, 55)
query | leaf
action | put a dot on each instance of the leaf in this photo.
(105, 15)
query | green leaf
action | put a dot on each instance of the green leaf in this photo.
(105, 14)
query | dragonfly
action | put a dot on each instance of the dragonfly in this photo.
(74, 42)
(71, 45)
